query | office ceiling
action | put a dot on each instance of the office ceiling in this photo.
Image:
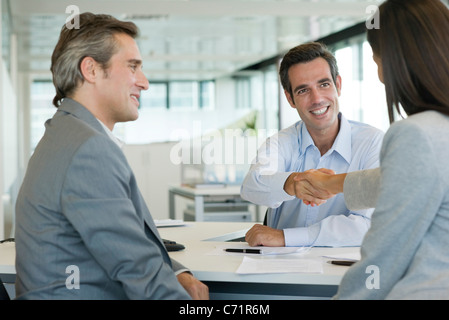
(189, 39)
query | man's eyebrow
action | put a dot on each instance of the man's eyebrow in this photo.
(303, 86)
(324, 80)
(135, 61)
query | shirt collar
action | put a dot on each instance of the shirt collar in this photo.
(342, 143)
(305, 138)
(117, 141)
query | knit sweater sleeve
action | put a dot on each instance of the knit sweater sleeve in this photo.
(408, 200)
(361, 189)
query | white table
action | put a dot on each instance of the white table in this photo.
(7, 266)
(7, 262)
(202, 195)
(219, 271)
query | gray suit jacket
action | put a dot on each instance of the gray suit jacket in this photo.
(83, 230)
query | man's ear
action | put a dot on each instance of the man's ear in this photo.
(289, 99)
(89, 69)
(338, 85)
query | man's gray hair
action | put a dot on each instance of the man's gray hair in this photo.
(94, 38)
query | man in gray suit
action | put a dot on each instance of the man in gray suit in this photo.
(83, 229)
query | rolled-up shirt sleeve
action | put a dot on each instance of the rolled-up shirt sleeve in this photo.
(264, 183)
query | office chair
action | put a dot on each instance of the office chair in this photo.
(3, 293)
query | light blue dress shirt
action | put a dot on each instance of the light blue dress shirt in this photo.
(356, 147)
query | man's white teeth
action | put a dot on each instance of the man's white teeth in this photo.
(319, 111)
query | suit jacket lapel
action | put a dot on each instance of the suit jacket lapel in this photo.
(70, 106)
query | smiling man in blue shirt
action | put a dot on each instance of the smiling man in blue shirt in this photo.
(323, 138)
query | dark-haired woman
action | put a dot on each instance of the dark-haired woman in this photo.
(405, 252)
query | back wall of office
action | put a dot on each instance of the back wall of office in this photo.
(239, 94)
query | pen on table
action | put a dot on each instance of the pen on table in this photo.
(343, 262)
(256, 251)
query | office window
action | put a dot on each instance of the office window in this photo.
(184, 94)
(271, 92)
(347, 60)
(155, 97)
(363, 95)
(156, 110)
(243, 92)
(207, 95)
(41, 109)
(5, 29)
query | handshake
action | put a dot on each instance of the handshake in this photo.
(314, 186)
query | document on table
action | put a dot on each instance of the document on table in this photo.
(279, 265)
(169, 223)
(221, 250)
(351, 256)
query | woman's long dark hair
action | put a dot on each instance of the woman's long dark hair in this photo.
(413, 44)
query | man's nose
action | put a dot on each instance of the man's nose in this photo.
(315, 96)
(142, 81)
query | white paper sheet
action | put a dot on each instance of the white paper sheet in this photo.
(352, 256)
(220, 250)
(169, 223)
(277, 265)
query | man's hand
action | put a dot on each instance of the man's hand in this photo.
(260, 235)
(312, 186)
(195, 288)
